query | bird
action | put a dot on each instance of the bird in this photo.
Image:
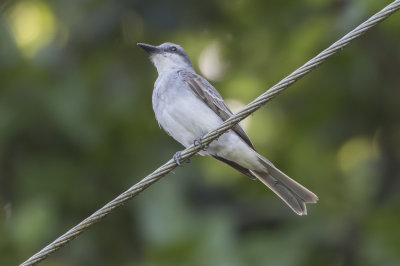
(187, 107)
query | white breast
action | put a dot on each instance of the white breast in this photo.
(179, 111)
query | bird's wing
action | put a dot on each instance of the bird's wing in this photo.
(232, 164)
(210, 96)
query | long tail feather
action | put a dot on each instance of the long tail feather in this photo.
(292, 193)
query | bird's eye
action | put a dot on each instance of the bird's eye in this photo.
(172, 49)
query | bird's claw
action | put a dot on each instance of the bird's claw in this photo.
(176, 157)
(198, 142)
(177, 160)
(195, 142)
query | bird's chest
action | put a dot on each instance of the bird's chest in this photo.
(178, 111)
(168, 90)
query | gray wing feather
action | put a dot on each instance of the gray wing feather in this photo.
(236, 166)
(210, 96)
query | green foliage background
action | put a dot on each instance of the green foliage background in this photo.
(77, 129)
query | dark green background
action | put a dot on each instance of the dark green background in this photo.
(77, 128)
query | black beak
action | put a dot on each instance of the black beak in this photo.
(150, 49)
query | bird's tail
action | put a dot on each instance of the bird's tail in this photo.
(291, 192)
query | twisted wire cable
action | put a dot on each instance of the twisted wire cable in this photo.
(208, 138)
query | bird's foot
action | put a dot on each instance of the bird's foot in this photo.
(176, 158)
(198, 142)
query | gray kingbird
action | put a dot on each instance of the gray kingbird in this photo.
(187, 107)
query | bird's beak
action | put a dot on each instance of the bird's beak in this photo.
(150, 49)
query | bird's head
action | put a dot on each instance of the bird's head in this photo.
(167, 56)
